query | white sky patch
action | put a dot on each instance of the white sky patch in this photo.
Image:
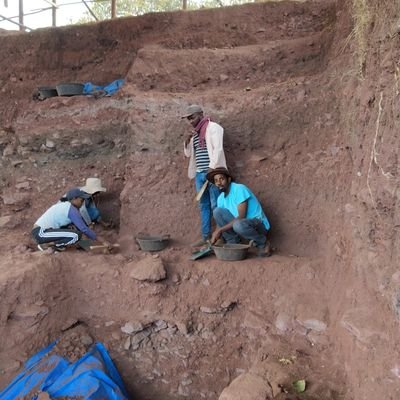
(67, 13)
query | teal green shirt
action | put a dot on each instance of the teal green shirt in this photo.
(239, 193)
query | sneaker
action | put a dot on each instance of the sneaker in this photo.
(200, 243)
(264, 251)
(60, 248)
(43, 246)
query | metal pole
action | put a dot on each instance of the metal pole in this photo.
(113, 8)
(90, 10)
(54, 13)
(6, 3)
(52, 3)
(14, 22)
(21, 15)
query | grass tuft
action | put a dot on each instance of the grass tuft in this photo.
(362, 23)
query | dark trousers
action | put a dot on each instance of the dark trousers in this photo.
(60, 237)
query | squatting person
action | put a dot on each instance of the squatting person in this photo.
(238, 213)
(54, 226)
(89, 210)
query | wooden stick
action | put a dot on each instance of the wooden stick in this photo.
(102, 246)
(200, 193)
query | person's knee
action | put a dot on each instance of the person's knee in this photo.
(218, 212)
(239, 226)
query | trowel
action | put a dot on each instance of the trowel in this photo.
(88, 246)
(204, 252)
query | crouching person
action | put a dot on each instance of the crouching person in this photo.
(238, 213)
(62, 224)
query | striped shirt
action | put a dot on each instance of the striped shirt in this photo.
(201, 155)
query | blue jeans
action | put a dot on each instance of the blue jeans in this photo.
(248, 228)
(207, 203)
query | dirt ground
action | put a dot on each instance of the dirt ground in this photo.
(312, 133)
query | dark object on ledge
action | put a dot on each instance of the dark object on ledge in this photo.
(46, 91)
(69, 89)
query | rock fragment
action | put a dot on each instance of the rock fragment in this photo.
(148, 269)
(247, 387)
(132, 327)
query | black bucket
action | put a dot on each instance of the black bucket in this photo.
(46, 91)
(152, 243)
(69, 89)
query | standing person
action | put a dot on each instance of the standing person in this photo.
(204, 148)
(238, 213)
(55, 224)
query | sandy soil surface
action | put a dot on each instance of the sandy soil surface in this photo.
(316, 144)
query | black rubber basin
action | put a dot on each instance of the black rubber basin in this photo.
(69, 89)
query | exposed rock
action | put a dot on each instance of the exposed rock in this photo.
(16, 163)
(9, 150)
(283, 322)
(148, 269)
(279, 157)
(247, 387)
(209, 310)
(228, 305)
(23, 185)
(15, 199)
(50, 144)
(160, 325)
(127, 343)
(182, 327)
(28, 312)
(5, 220)
(86, 340)
(132, 327)
(314, 324)
(139, 337)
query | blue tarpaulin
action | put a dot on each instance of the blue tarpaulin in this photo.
(93, 377)
(111, 88)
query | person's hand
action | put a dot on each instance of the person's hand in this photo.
(107, 225)
(215, 236)
(189, 137)
(107, 244)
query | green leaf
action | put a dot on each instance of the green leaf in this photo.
(299, 386)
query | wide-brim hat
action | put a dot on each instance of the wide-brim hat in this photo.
(93, 185)
(192, 109)
(217, 171)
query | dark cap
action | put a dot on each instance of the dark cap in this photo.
(192, 109)
(217, 171)
(76, 192)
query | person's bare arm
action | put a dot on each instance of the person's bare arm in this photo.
(242, 211)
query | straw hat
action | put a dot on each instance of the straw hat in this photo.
(93, 185)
